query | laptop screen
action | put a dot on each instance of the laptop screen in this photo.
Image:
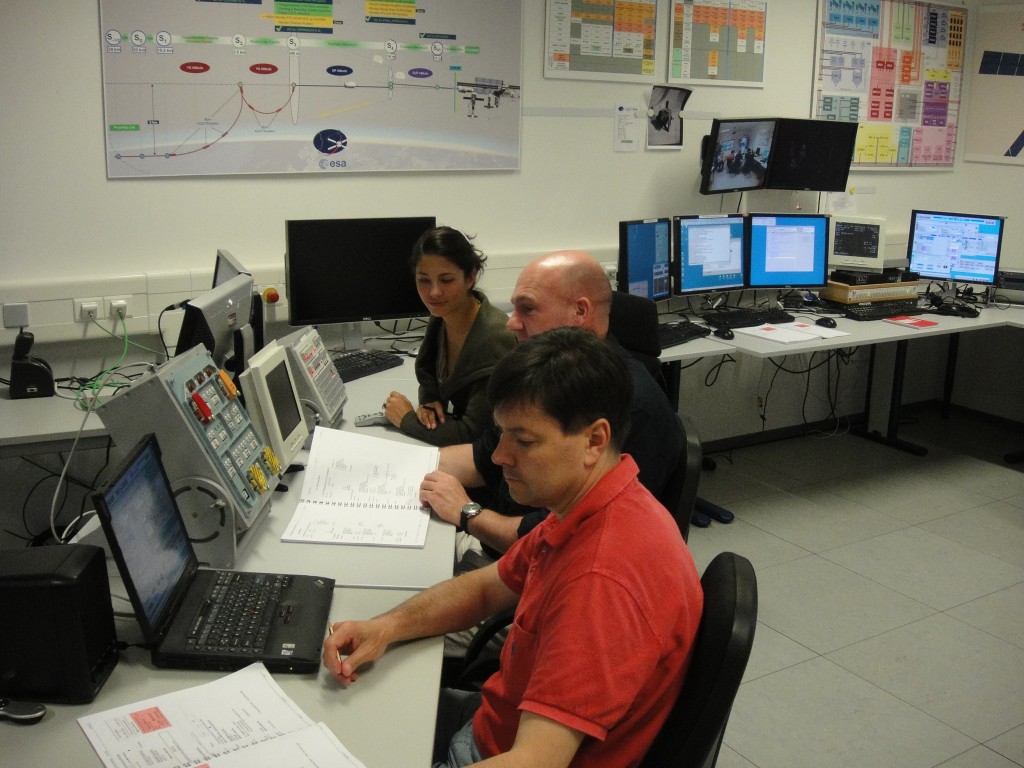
(149, 532)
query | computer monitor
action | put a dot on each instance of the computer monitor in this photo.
(857, 243)
(787, 250)
(272, 401)
(708, 253)
(225, 267)
(955, 247)
(351, 270)
(735, 155)
(811, 155)
(644, 254)
(215, 317)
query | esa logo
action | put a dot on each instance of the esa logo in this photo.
(330, 142)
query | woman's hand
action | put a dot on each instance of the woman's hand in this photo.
(395, 408)
(430, 414)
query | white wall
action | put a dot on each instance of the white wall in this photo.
(62, 223)
(61, 217)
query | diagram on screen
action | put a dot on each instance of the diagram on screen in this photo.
(217, 87)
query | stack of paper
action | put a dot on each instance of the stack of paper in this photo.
(241, 719)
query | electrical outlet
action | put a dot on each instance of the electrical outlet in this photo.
(87, 310)
(117, 307)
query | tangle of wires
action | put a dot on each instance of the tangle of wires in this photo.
(841, 358)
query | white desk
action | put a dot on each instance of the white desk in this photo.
(386, 718)
(45, 425)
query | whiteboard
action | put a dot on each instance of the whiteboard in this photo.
(211, 87)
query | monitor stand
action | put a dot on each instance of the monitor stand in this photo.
(351, 336)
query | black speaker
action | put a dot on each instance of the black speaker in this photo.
(57, 637)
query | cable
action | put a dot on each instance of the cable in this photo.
(91, 405)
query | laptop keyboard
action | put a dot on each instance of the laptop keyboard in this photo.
(237, 616)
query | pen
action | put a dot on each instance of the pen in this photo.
(330, 631)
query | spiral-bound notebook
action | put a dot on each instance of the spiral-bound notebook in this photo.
(362, 489)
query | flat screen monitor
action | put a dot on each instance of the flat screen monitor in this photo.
(213, 317)
(708, 254)
(857, 243)
(350, 270)
(225, 267)
(811, 154)
(644, 254)
(787, 250)
(273, 403)
(955, 247)
(736, 154)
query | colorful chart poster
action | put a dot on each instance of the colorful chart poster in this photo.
(895, 67)
(309, 86)
(720, 42)
(601, 40)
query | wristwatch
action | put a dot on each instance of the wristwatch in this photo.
(472, 509)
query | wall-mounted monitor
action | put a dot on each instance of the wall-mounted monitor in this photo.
(217, 318)
(644, 254)
(350, 270)
(708, 253)
(272, 401)
(857, 243)
(955, 247)
(735, 155)
(787, 250)
(811, 155)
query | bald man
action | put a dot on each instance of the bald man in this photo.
(561, 289)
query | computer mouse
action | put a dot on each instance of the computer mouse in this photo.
(724, 333)
(825, 322)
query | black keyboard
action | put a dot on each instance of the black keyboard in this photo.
(745, 317)
(880, 310)
(679, 332)
(362, 362)
(239, 612)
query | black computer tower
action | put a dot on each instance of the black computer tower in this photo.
(57, 638)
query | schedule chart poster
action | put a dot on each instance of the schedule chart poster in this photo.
(212, 87)
(720, 42)
(897, 69)
(601, 40)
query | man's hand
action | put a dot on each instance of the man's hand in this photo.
(360, 642)
(444, 494)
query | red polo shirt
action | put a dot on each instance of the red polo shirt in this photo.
(610, 603)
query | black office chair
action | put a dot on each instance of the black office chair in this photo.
(633, 321)
(680, 493)
(691, 737)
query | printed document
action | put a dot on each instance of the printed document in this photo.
(240, 719)
(361, 489)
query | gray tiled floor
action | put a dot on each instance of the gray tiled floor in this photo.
(891, 599)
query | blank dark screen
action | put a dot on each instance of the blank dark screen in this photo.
(349, 270)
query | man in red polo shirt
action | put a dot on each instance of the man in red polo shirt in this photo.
(607, 596)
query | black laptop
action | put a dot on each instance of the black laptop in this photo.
(194, 618)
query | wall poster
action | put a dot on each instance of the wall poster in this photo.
(718, 42)
(601, 40)
(204, 87)
(896, 67)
